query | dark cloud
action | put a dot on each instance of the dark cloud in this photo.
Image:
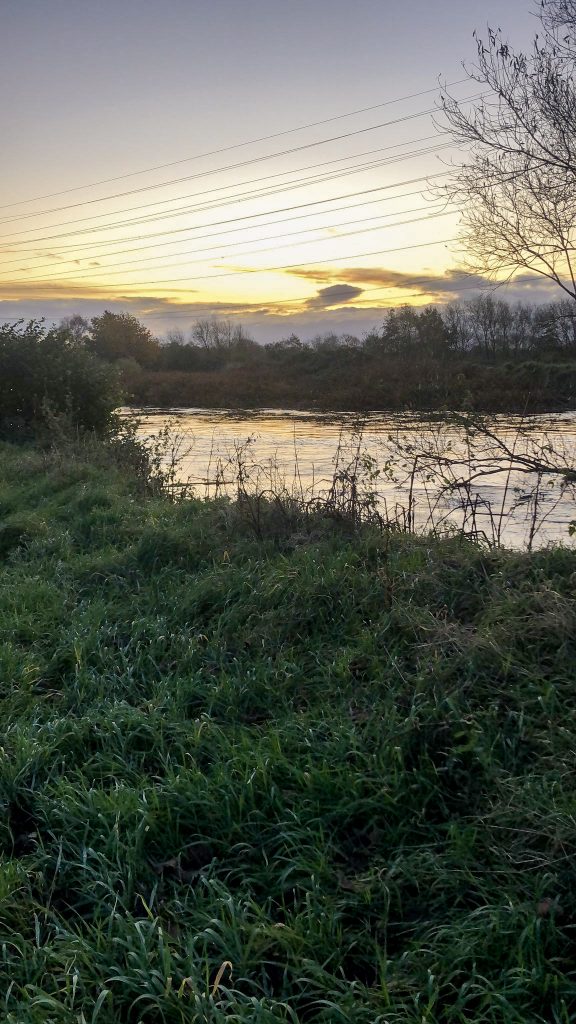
(531, 288)
(450, 285)
(53, 301)
(436, 286)
(66, 291)
(333, 308)
(333, 295)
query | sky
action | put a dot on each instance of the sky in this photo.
(166, 158)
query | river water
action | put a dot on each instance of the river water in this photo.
(298, 451)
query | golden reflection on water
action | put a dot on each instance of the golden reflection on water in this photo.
(300, 447)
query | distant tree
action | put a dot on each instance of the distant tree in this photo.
(433, 334)
(350, 341)
(119, 335)
(330, 341)
(246, 350)
(456, 324)
(293, 341)
(521, 334)
(289, 352)
(517, 189)
(76, 328)
(176, 355)
(564, 317)
(399, 330)
(489, 322)
(327, 342)
(290, 344)
(554, 328)
(176, 336)
(216, 333)
(202, 334)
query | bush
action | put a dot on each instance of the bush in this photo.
(47, 375)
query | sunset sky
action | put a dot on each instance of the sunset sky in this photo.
(132, 178)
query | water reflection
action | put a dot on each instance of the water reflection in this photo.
(301, 448)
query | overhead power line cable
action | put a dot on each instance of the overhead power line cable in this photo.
(258, 306)
(231, 308)
(217, 206)
(253, 160)
(237, 145)
(9, 241)
(217, 234)
(287, 266)
(223, 188)
(104, 271)
(237, 197)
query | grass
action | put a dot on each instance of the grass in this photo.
(314, 777)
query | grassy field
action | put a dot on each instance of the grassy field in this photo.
(311, 777)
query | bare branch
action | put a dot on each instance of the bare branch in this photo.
(517, 190)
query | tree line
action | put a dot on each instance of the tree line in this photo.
(484, 353)
(484, 327)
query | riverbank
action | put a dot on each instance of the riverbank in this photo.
(356, 380)
(316, 775)
(488, 493)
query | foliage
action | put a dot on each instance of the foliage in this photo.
(119, 335)
(483, 354)
(517, 189)
(46, 377)
(323, 779)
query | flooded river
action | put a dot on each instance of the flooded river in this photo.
(423, 472)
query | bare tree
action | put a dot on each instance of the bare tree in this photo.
(76, 327)
(218, 334)
(517, 189)
(559, 20)
(176, 336)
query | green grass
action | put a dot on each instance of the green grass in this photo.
(319, 780)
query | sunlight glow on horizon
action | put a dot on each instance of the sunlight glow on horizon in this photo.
(232, 230)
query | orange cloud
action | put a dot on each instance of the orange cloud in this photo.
(437, 285)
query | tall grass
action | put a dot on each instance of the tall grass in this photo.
(488, 480)
(303, 775)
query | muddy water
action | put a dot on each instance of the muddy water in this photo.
(298, 450)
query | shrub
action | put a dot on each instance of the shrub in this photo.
(47, 375)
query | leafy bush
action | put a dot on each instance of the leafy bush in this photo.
(47, 375)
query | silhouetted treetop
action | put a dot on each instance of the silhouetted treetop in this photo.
(517, 189)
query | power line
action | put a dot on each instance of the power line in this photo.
(81, 274)
(217, 234)
(293, 266)
(396, 249)
(223, 188)
(226, 201)
(8, 241)
(276, 192)
(256, 307)
(235, 273)
(227, 149)
(251, 194)
(236, 166)
(456, 275)
(253, 160)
